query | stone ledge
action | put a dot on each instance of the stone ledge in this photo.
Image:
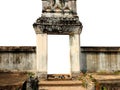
(99, 49)
(60, 83)
(58, 25)
(83, 49)
(17, 48)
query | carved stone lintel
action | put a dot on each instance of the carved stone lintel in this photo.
(59, 6)
(58, 25)
(52, 4)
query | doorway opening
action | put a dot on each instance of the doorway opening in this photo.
(58, 54)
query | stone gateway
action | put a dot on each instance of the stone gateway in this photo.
(59, 17)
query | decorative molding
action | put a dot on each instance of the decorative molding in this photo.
(58, 25)
(58, 6)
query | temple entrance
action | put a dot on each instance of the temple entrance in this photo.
(58, 54)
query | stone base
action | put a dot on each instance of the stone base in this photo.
(75, 75)
(61, 85)
(42, 75)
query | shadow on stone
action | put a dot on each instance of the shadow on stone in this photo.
(31, 84)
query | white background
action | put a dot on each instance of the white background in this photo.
(100, 18)
(58, 54)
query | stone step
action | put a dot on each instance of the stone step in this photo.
(61, 85)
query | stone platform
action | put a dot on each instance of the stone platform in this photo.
(12, 80)
(61, 85)
(15, 80)
(107, 82)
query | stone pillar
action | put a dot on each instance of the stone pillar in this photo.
(75, 54)
(41, 53)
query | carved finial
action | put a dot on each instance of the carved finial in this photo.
(59, 7)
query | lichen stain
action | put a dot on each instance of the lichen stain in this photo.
(0, 59)
(17, 60)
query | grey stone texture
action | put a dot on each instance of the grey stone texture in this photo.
(58, 25)
(17, 59)
(58, 7)
(93, 59)
(58, 17)
(100, 59)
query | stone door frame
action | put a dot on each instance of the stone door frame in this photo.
(57, 26)
(42, 54)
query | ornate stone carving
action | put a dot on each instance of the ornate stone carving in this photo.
(56, 6)
(59, 25)
(57, 2)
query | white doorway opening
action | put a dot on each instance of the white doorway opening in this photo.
(58, 54)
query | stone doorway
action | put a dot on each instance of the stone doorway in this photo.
(58, 18)
(58, 54)
(42, 55)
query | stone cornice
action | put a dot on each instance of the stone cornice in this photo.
(100, 49)
(58, 25)
(17, 49)
(92, 49)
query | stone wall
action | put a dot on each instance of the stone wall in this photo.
(100, 59)
(94, 59)
(17, 58)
